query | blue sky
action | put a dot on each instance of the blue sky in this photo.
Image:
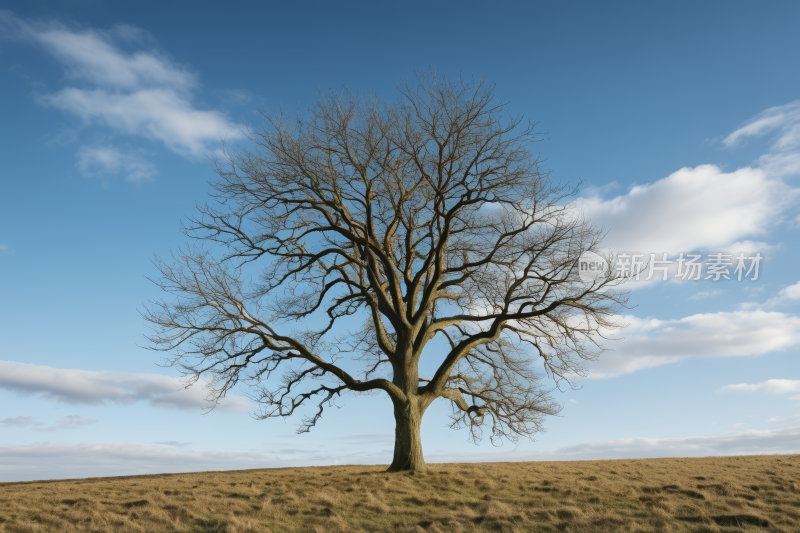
(681, 119)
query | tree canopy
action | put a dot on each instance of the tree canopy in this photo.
(427, 217)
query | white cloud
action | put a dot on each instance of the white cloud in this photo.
(30, 422)
(737, 424)
(20, 422)
(785, 295)
(705, 208)
(173, 443)
(781, 164)
(573, 401)
(706, 294)
(91, 55)
(159, 114)
(103, 160)
(792, 292)
(237, 96)
(57, 460)
(771, 386)
(784, 118)
(96, 388)
(372, 437)
(786, 440)
(701, 208)
(64, 136)
(777, 441)
(784, 122)
(141, 92)
(648, 343)
(71, 422)
(791, 418)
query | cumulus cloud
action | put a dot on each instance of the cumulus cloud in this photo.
(138, 92)
(792, 292)
(700, 208)
(90, 387)
(706, 208)
(648, 343)
(103, 160)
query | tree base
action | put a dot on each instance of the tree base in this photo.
(416, 469)
(408, 439)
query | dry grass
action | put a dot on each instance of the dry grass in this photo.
(755, 493)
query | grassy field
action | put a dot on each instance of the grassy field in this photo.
(752, 493)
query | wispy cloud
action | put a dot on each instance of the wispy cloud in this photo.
(160, 114)
(783, 122)
(20, 422)
(173, 443)
(791, 418)
(103, 160)
(706, 294)
(786, 295)
(59, 460)
(71, 422)
(96, 388)
(771, 386)
(370, 437)
(648, 343)
(56, 460)
(30, 422)
(237, 96)
(124, 82)
(786, 440)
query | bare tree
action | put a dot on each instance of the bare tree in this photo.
(421, 218)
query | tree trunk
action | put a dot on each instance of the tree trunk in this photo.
(408, 439)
